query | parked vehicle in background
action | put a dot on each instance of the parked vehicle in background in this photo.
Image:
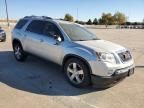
(2, 35)
(85, 58)
(131, 26)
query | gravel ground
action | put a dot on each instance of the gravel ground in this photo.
(40, 84)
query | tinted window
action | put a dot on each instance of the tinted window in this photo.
(20, 24)
(36, 26)
(51, 30)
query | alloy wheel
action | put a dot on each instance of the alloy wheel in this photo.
(18, 51)
(75, 73)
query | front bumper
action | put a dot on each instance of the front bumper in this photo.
(105, 82)
(100, 68)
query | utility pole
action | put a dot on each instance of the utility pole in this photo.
(77, 14)
(7, 13)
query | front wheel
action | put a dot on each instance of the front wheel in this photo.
(19, 53)
(77, 73)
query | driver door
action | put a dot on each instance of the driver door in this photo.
(49, 47)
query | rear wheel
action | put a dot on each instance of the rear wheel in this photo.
(77, 72)
(19, 53)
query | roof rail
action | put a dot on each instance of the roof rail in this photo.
(30, 16)
(45, 17)
(41, 17)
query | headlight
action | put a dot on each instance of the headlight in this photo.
(106, 57)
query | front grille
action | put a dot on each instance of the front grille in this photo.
(125, 56)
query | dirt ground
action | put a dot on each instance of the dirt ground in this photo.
(40, 84)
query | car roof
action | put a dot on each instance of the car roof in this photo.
(45, 18)
(63, 22)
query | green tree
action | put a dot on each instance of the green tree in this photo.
(95, 21)
(68, 17)
(119, 18)
(100, 21)
(128, 23)
(89, 22)
(135, 23)
(106, 19)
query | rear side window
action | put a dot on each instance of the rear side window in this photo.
(36, 26)
(21, 23)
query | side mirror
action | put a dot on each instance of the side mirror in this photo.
(58, 40)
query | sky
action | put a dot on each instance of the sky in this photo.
(87, 9)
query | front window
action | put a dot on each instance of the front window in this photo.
(77, 33)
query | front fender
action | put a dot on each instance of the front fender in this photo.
(84, 53)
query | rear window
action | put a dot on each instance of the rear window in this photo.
(21, 23)
(36, 26)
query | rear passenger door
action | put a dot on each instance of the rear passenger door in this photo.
(33, 37)
(40, 40)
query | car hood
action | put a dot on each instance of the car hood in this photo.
(101, 45)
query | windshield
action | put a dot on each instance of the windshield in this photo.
(77, 33)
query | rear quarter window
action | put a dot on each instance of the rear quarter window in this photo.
(21, 23)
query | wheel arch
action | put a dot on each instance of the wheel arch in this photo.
(69, 56)
(16, 41)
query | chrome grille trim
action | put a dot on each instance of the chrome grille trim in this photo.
(125, 56)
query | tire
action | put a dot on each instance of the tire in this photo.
(19, 54)
(77, 73)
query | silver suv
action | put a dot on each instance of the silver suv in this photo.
(85, 58)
